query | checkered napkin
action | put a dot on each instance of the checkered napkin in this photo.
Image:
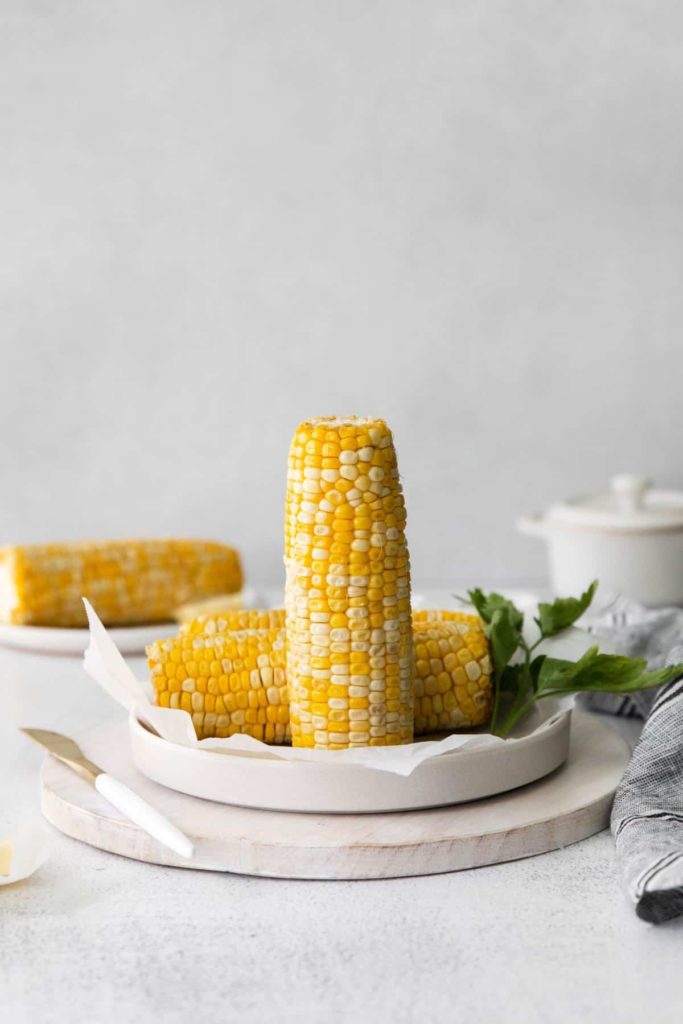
(647, 816)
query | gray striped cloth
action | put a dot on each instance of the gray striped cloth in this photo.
(647, 816)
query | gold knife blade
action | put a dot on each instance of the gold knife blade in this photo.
(65, 750)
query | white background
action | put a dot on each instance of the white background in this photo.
(218, 218)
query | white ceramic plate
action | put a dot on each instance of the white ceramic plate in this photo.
(128, 639)
(270, 783)
(48, 640)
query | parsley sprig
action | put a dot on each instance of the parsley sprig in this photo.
(533, 676)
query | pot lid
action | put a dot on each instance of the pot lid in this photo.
(630, 504)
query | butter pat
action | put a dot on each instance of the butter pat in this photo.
(5, 856)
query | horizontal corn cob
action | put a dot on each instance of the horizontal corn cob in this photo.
(347, 591)
(230, 682)
(245, 618)
(125, 581)
(452, 672)
(222, 621)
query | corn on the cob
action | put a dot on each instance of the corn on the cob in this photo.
(347, 595)
(245, 618)
(452, 672)
(126, 581)
(448, 645)
(231, 682)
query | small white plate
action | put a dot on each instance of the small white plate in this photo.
(128, 639)
(270, 783)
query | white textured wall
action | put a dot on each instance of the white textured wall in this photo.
(221, 216)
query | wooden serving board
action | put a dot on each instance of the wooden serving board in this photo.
(565, 807)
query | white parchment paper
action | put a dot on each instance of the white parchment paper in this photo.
(104, 663)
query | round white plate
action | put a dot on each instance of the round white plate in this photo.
(271, 783)
(565, 807)
(128, 639)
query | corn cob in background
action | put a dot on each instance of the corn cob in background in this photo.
(231, 682)
(347, 592)
(452, 672)
(125, 581)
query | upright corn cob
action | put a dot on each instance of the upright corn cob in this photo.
(126, 581)
(231, 682)
(347, 596)
(452, 672)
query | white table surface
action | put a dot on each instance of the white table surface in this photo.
(96, 938)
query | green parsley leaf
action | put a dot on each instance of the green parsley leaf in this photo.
(553, 618)
(608, 673)
(488, 604)
(513, 696)
(503, 626)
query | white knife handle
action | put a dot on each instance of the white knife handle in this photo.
(143, 814)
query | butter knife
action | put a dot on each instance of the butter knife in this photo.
(116, 792)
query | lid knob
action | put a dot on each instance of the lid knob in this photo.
(629, 491)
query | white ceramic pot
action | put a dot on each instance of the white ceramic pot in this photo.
(630, 539)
